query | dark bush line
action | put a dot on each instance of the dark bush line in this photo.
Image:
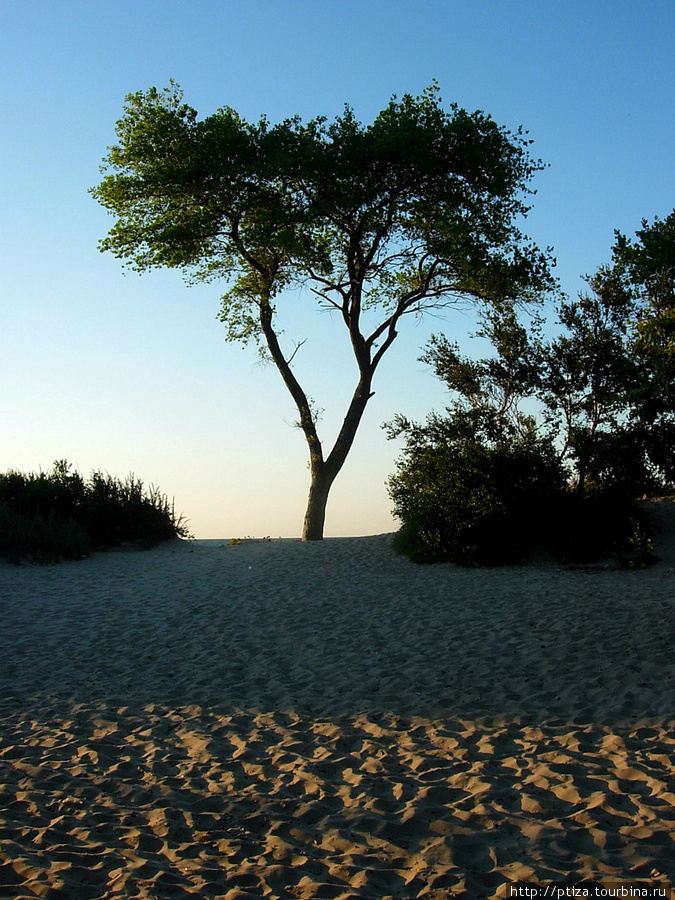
(565, 528)
(47, 517)
(465, 500)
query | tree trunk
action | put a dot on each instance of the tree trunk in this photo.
(581, 484)
(325, 472)
(315, 515)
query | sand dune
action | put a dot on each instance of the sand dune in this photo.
(282, 720)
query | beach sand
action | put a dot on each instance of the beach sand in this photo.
(328, 720)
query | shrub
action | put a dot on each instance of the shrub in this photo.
(40, 538)
(117, 512)
(603, 524)
(468, 494)
(47, 517)
(471, 492)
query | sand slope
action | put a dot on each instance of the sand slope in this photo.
(329, 720)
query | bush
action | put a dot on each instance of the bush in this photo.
(475, 493)
(47, 517)
(603, 524)
(466, 493)
(40, 538)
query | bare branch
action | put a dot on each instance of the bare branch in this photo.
(298, 345)
(322, 296)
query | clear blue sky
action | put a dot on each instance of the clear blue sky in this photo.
(131, 373)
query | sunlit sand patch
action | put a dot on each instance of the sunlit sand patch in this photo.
(155, 802)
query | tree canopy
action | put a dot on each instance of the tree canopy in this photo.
(416, 210)
(647, 265)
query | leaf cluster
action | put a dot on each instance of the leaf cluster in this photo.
(648, 265)
(419, 204)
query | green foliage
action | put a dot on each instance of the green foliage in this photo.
(471, 490)
(467, 491)
(650, 260)
(601, 525)
(500, 382)
(610, 377)
(636, 547)
(59, 515)
(271, 205)
(479, 484)
(648, 265)
(587, 378)
(476, 486)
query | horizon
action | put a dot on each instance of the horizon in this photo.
(125, 373)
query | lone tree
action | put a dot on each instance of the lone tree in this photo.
(418, 210)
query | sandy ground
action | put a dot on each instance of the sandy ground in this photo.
(282, 720)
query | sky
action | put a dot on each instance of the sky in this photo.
(131, 373)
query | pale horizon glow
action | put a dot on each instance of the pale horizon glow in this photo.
(128, 373)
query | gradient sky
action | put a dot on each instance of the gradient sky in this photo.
(131, 373)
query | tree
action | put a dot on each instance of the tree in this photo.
(587, 379)
(648, 266)
(486, 483)
(415, 211)
(481, 482)
(650, 260)
(500, 382)
(593, 380)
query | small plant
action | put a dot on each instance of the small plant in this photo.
(234, 542)
(637, 551)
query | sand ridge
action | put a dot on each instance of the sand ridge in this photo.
(286, 720)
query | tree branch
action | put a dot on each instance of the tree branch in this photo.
(307, 422)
